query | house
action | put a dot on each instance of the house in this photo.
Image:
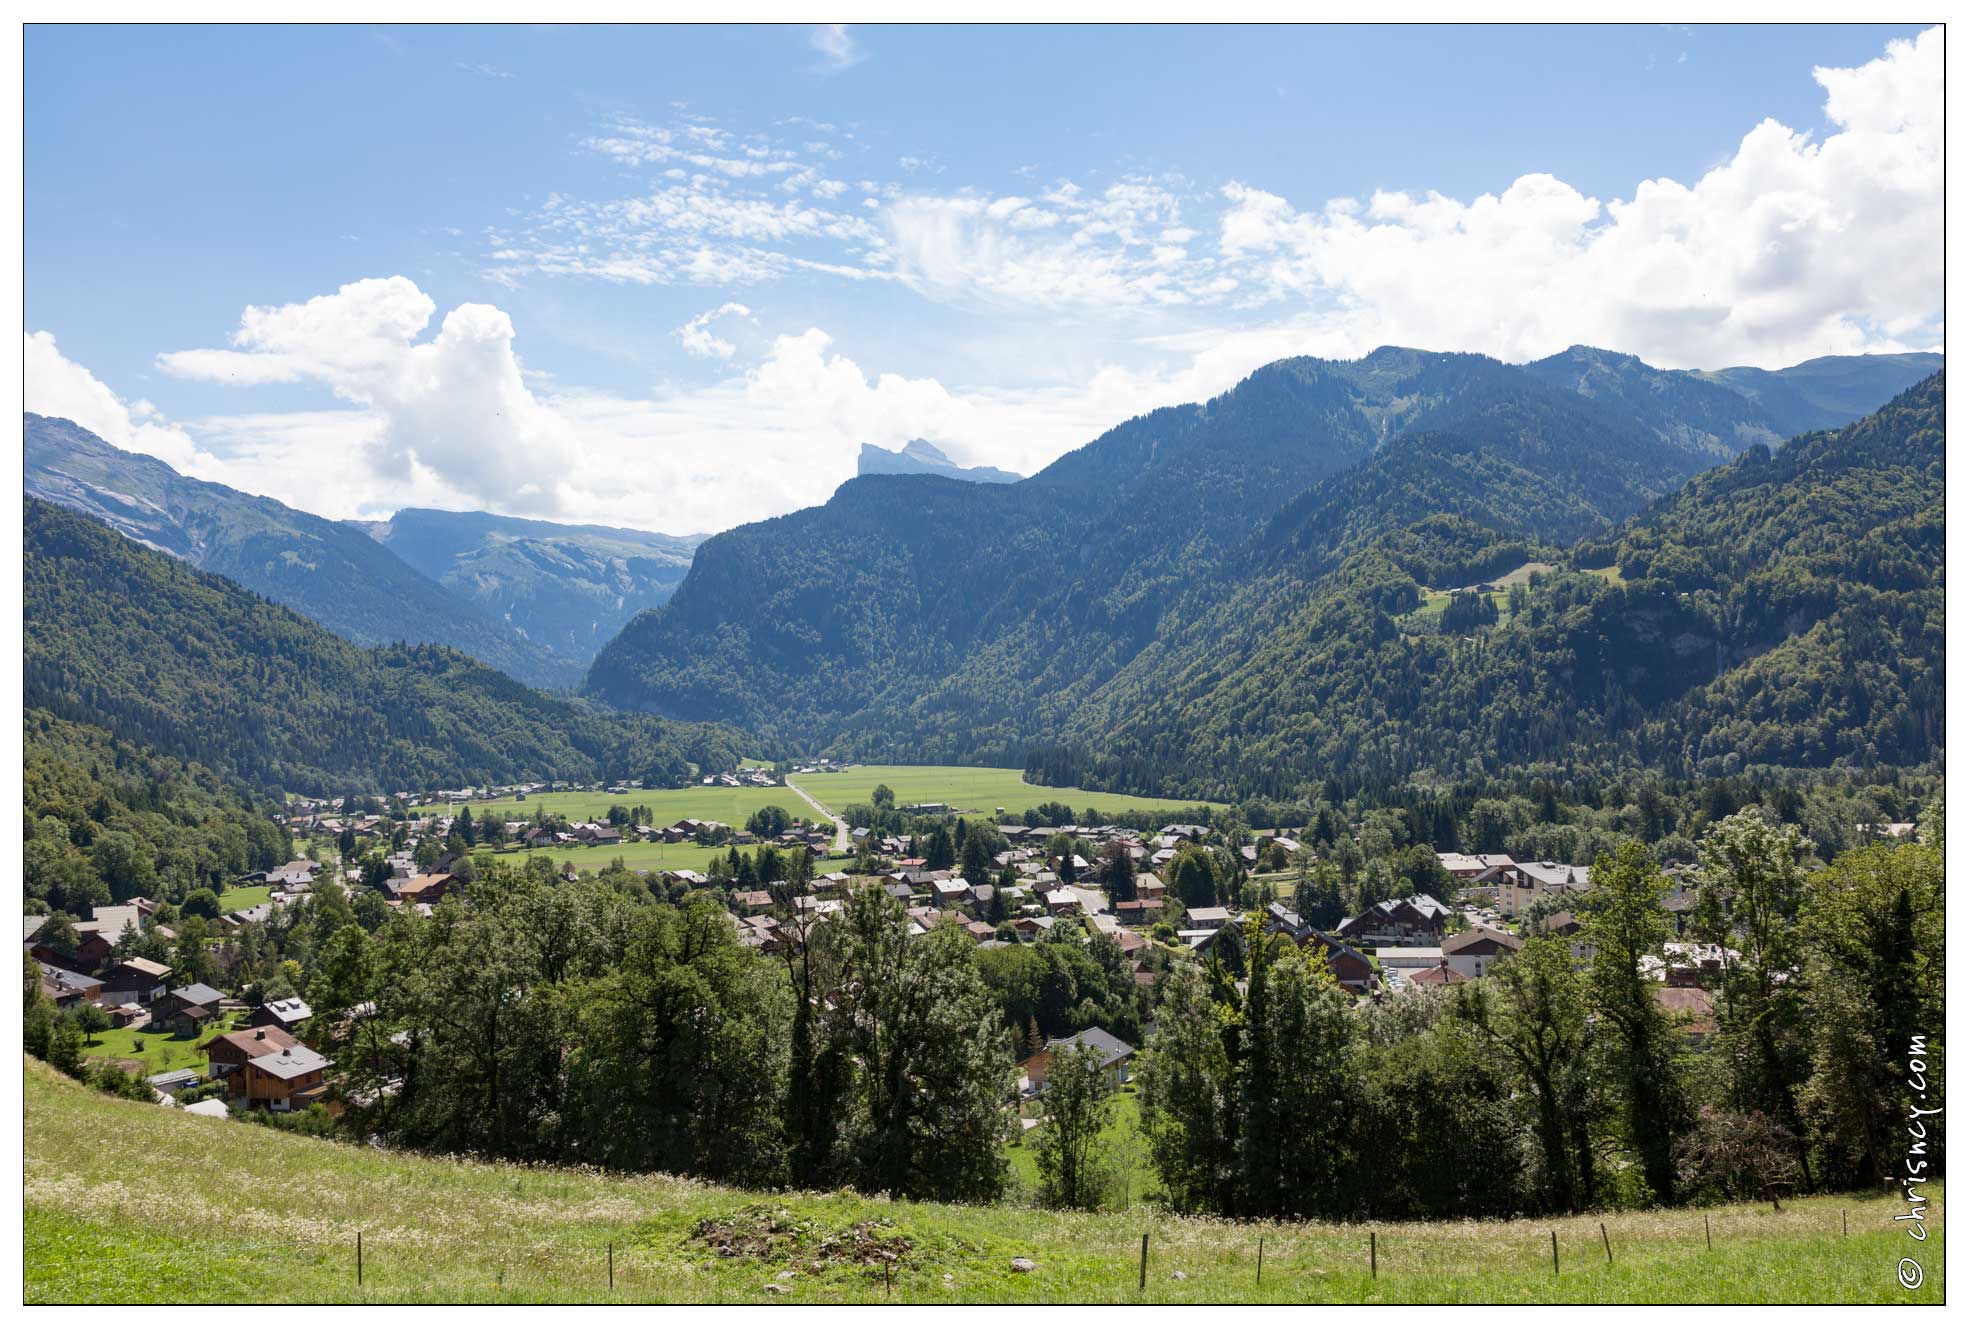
(187, 1009)
(1566, 924)
(287, 1080)
(1418, 920)
(1440, 975)
(68, 989)
(426, 889)
(288, 1013)
(1117, 1057)
(1522, 885)
(226, 1054)
(147, 978)
(1408, 960)
(1199, 917)
(1475, 951)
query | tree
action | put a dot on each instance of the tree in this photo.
(1757, 868)
(883, 797)
(769, 822)
(65, 1042)
(1873, 925)
(1535, 1010)
(935, 1057)
(1118, 872)
(1628, 926)
(93, 1020)
(1191, 878)
(1737, 1156)
(1294, 1082)
(1186, 1095)
(201, 903)
(1073, 1174)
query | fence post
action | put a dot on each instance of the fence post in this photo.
(358, 1257)
(1705, 1234)
(1373, 1257)
(1607, 1243)
(1143, 1282)
(1555, 1251)
(1261, 1262)
(1842, 1223)
(611, 1266)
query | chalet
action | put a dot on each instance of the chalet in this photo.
(295, 876)
(1418, 920)
(287, 1080)
(427, 889)
(1137, 912)
(1408, 960)
(1206, 916)
(226, 1054)
(1439, 975)
(1183, 832)
(289, 1013)
(147, 978)
(68, 989)
(186, 1010)
(752, 901)
(1061, 902)
(1474, 952)
(1117, 1057)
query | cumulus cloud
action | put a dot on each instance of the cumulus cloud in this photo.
(1794, 247)
(455, 404)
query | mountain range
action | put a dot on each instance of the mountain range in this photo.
(1194, 565)
(566, 588)
(920, 457)
(188, 663)
(532, 599)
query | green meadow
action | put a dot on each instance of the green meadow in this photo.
(667, 806)
(969, 789)
(134, 1203)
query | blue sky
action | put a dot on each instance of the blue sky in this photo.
(707, 262)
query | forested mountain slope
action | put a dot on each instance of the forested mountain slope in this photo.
(922, 619)
(566, 588)
(327, 570)
(1785, 609)
(191, 664)
(844, 619)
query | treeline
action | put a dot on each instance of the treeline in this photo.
(1553, 1086)
(156, 652)
(106, 821)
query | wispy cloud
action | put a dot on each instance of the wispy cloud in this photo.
(837, 45)
(483, 70)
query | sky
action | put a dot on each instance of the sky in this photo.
(674, 278)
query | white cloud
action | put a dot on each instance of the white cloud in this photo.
(700, 341)
(483, 70)
(838, 45)
(1794, 247)
(455, 404)
(54, 385)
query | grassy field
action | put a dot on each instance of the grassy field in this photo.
(1126, 1148)
(642, 856)
(129, 1202)
(160, 1052)
(244, 897)
(1611, 574)
(968, 789)
(668, 806)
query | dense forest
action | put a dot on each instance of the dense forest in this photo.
(108, 820)
(328, 570)
(1224, 599)
(185, 662)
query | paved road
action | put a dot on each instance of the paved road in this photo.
(840, 826)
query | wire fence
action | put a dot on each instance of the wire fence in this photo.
(1281, 1262)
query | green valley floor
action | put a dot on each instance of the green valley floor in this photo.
(128, 1202)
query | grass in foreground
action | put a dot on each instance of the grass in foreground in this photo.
(130, 1202)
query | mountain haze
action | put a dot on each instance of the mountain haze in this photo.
(566, 588)
(920, 457)
(328, 570)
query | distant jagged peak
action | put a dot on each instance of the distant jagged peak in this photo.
(919, 456)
